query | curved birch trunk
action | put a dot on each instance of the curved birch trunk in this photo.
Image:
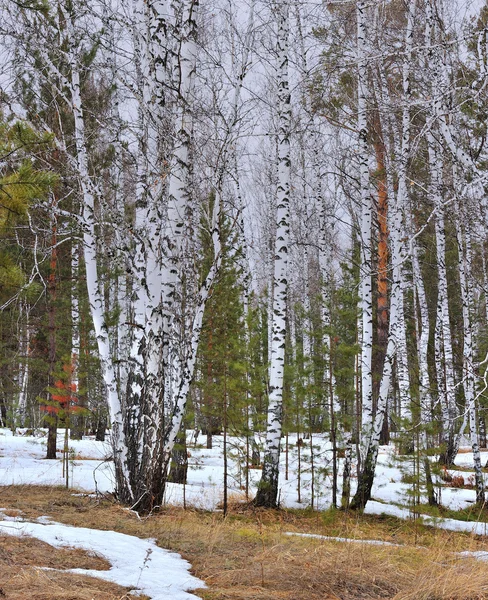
(95, 293)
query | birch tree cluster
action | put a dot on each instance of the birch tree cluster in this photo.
(249, 219)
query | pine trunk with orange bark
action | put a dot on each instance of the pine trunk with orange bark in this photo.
(382, 282)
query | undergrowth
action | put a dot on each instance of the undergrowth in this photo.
(248, 556)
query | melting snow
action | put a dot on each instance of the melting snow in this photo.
(136, 564)
(341, 539)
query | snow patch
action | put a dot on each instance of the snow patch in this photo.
(475, 527)
(136, 563)
(341, 539)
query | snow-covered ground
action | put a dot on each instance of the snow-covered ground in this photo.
(135, 563)
(163, 575)
(90, 468)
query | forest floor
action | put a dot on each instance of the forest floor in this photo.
(249, 555)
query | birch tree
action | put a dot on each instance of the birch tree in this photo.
(146, 415)
(443, 336)
(268, 487)
(366, 289)
(469, 377)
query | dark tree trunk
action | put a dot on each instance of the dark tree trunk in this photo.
(51, 436)
(101, 427)
(179, 460)
(448, 456)
(267, 495)
(52, 418)
(431, 497)
(77, 426)
(365, 480)
(255, 455)
(346, 474)
(3, 413)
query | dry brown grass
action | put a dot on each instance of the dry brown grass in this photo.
(35, 584)
(22, 574)
(248, 557)
(26, 551)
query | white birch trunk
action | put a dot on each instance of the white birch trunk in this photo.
(445, 360)
(174, 344)
(268, 488)
(231, 149)
(397, 327)
(23, 378)
(371, 445)
(321, 205)
(95, 293)
(465, 258)
(366, 287)
(423, 341)
(75, 318)
(402, 204)
(443, 339)
(425, 396)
